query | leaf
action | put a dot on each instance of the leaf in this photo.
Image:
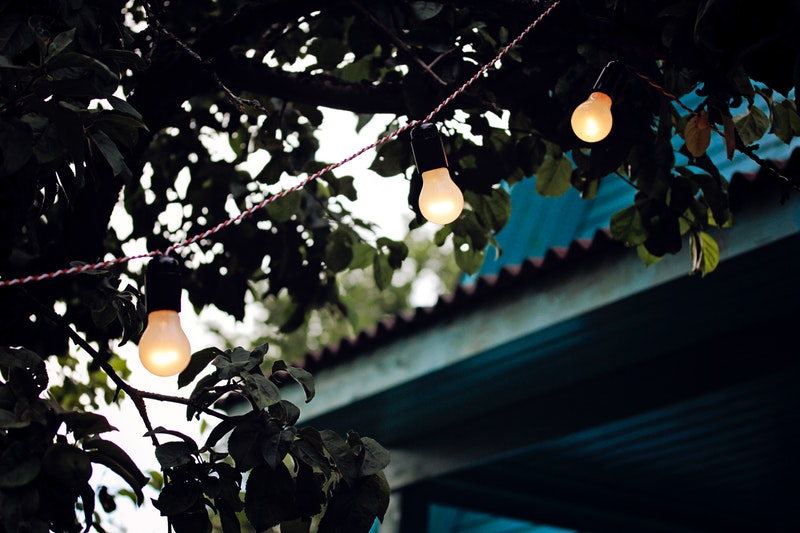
(18, 358)
(8, 420)
(110, 152)
(302, 377)
(493, 210)
(353, 509)
(84, 424)
(787, 122)
(705, 252)
(268, 496)
(175, 453)
(626, 226)
(554, 176)
(263, 392)
(342, 454)
(275, 448)
(729, 135)
(284, 208)
(17, 466)
(469, 257)
(244, 444)
(374, 457)
(87, 498)
(59, 43)
(160, 430)
(198, 362)
(339, 250)
(751, 125)
(76, 60)
(363, 255)
(176, 498)
(222, 429)
(697, 134)
(285, 411)
(426, 10)
(381, 271)
(112, 456)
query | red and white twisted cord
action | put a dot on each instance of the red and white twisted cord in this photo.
(247, 213)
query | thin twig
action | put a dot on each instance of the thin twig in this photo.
(402, 46)
(239, 102)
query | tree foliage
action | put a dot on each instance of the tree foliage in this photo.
(109, 100)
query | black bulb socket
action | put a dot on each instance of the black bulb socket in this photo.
(162, 284)
(427, 147)
(610, 79)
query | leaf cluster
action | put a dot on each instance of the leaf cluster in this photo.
(289, 477)
(48, 454)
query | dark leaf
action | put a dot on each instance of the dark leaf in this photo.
(302, 377)
(87, 498)
(268, 496)
(109, 454)
(354, 508)
(263, 392)
(276, 446)
(197, 364)
(176, 498)
(342, 454)
(177, 453)
(84, 424)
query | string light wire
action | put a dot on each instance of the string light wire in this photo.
(77, 269)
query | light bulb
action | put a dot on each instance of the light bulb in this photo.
(591, 121)
(440, 200)
(164, 348)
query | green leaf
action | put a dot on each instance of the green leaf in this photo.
(268, 496)
(363, 256)
(697, 134)
(244, 444)
(373, 458)
(382, 271)
(705, 252)
(354, 508)
(263, 392)
(200, 360)
(626, 226)
(391, 158)
(493, 210)
(342, 454)
(282, 209)
(787, 122)
(339, 250)
(469, 258)
(302, 377)
(59, 43)
(276, 446)
(554, 176)
(751, 125)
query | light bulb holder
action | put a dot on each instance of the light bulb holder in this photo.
(610, 79)
(162, 284)
(427, 147)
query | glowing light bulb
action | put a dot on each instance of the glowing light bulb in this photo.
(164, 349)
(440, 201)
(591, 121)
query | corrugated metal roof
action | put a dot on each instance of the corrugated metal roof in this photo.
(511, 277)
